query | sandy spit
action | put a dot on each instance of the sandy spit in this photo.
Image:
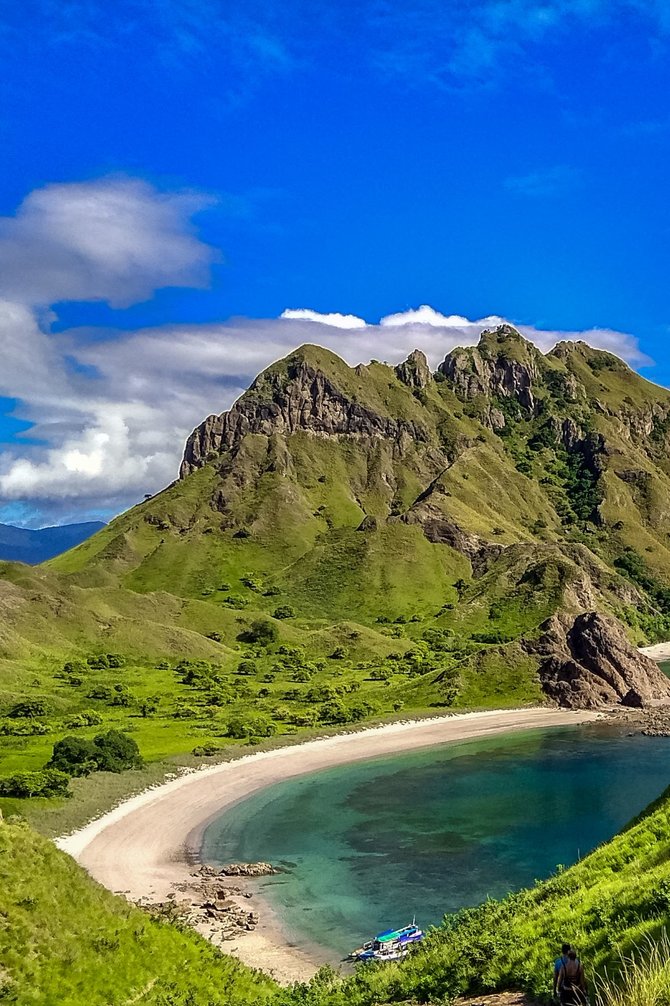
(659, 651)
(147, 844)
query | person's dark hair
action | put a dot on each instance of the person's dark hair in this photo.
(572, 956)
(565, 949)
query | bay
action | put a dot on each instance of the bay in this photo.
(367, 846)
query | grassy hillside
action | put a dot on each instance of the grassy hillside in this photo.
(398, 535)
(65, 941)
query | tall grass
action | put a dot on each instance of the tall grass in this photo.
(642, 978)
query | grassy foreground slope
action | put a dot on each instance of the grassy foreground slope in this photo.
(613, 902)
(66, 941)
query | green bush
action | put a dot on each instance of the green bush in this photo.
(206, 750)
(247, 668)
(48, 782)
(284, 611)
(261, 631)
(29, 709)
(23, 728)
(109, 752)
(102, 692)
(87, 718)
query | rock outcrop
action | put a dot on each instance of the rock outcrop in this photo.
(414, 371)
(298, 397)
(248, 870)
(588, 662)
(491, 369)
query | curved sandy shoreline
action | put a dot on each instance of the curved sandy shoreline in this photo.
(143, 847)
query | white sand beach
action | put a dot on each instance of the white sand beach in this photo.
(659, 651)
(147, 844)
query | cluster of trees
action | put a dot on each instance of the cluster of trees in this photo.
(109, 752)
(102, 661)
(632, 565)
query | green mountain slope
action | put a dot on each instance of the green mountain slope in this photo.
(503, 446)
(65, 941)
(407, 541)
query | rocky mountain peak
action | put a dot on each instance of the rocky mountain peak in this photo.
(503, 363)
(312, 390)
(414, 371)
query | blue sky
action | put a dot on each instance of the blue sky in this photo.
(171, 165)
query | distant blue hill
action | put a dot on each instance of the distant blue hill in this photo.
(22, 544)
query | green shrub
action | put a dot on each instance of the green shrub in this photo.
(109, 752)
(246, 668)
(261, 631)
(102, 692)
(47, 782)
(284, 611)
(29, 709)
(206, 750)
(87, 718)
(23, 728)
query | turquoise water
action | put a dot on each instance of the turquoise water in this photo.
(366, 846)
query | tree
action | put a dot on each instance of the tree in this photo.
(73, 755)
(284, 611)
(48, 782)
(247, 668)
(110, 752)
(116, 751)
(261, 631)
(149, 706)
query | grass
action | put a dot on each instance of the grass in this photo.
(642, 977)
(65, 941)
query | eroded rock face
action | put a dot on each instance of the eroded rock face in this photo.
(588, 662)
(307, 401)
(475, 371)
(414, 371)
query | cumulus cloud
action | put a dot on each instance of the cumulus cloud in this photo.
(116, 239)
(333, 319)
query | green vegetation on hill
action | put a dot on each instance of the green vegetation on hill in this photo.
(400, 534)
(66, 941)
(346, 544)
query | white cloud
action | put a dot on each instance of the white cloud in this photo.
(334, 319)
(116, 239)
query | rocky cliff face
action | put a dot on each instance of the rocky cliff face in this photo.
(301, 398)
(587, 662)
(491, 369)
(414, 371)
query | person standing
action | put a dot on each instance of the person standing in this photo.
(571, 982)
(558, 964)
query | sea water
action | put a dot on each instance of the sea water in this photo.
(367, 846)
